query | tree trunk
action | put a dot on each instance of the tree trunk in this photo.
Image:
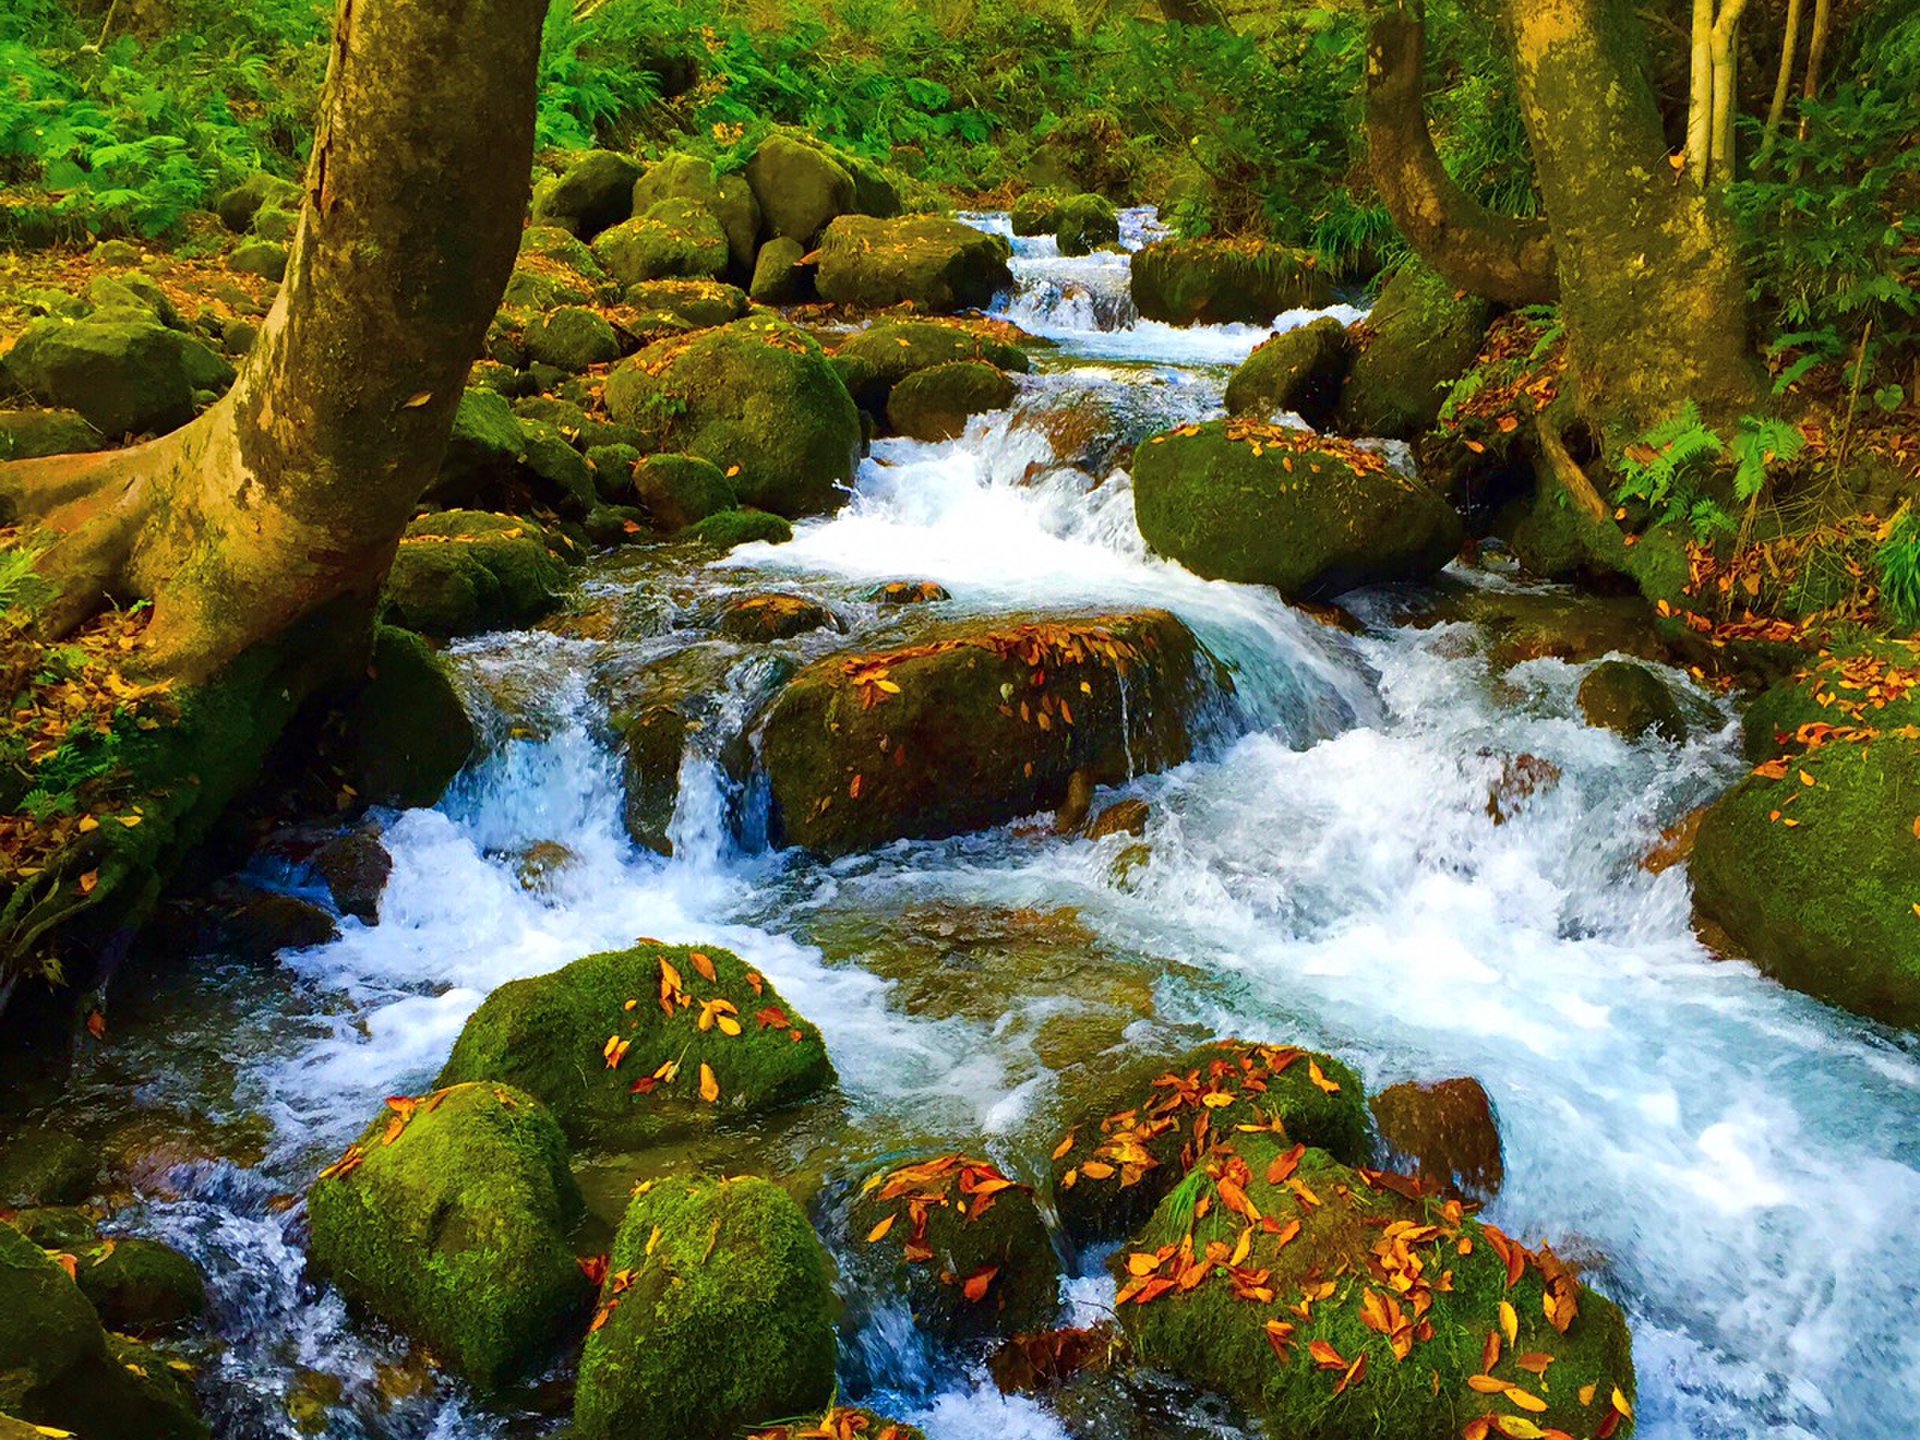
(1725, 53)
(1783, 81)
(1816, 57)
(1502, 257)
(1700, 92)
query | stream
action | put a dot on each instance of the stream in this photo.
(1737, 1165)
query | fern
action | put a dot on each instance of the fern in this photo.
(1758, 444)
(1899, 560)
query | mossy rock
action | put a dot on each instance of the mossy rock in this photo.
(1086, 223)
(674, 238)
(554, 473)
(762, 619)
(553, 1035)
(550, 242)
(716, 1315)
(729, 528)
(572, 339)
(964, 1244)
(134, 291)
(1555, 540)
(529, 289)
(462, 571)
(935, 404)
(1419, 338)
(759, 399)
(59, 1368)
(728, 198)
(1218, 282)
(1448, 1131)
(1300, 370)
(653, 744)
(837, 1420)
(1867, 686)
(1036, 213)
(238, 206)
(979, 723)
(408, 731)
(1128, 1152)
(701, 303)
(1402, 1296)
(1823, 904)
(613, 467)
(265, 258)
(139, 1287)
(874, 360)
(126, 377)
(43, 1166)
(800, 187)
(270, 222)
(482, 460)
(56, 1227)
(593, 194)
(448, 1219)
(778, 276)
(681, 490)
(1311, 516)
(1631, 701)
(932, 263)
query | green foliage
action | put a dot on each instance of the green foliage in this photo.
(1678, 469)
(1898, 559)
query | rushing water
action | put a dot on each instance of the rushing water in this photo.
(1735, 1164)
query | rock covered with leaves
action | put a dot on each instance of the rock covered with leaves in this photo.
(840, 1422)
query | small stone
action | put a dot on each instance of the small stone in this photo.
(1123, 817)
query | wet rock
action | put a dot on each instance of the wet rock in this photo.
(979, 723)
(541, 863)
(409, 734)
(1038, 1363)
(838, 1420)
(1391, 1286)
(1073, 810)
(935, 404)
(1311, 516)
(43, 1166)
(1121, 1157)
(572, 339)
(1418, 339)
(908, 592)
(700, 303)
(554, 1036)
(653, 744)
(58, 1228)
(255, 925)
(462, 571)
(1631, 701)
(594, 194)
(139, 1287)
(1521, 778)
(716, 1314)
(757, 398)
(779, 278)
(126, 377)
(728, 198)
(1824, 904)
(1086, 223)
(800, 187)
(1123, 817)
(729, 528)
(1523, 625)
(238, 206)
(312, 1399)
(672, 239)
(1675, 845)
(874, 360)
(64, 1371)
(1448, 1130)
(763, 618)
(355, 868)
(963, 1243)
(448, 1219)
(935, 264)
(681, 490)
(31, 434)
(1217, 282)
(1300, 370)
(1036, 213)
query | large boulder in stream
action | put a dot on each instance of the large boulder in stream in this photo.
(448, 1219)
(874, 360)
(979, 723)
(461, 571)
(932, 263)
(408, 731)
(593, 194)
(936, 404)
(1419, 338)
(1299, 371)
(633, 1046)
(716, 1315)
(129, 375)
(1310, 515)
(1216, 282)
(1334, 1303)
(757, 398)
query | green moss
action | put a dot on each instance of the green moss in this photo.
(778, 278)
(1630, 700)
(1312, 516)
(409, 734)
(459, 571)
(1085, 223)
(672, 238)
(800, 186)
(550, 1035)
(1867, 685)
(874, 360)
(718, 1315)
(550, 242)
(572, 339)
(728, 198)
(932, 263)
(238, 206)
(681, 490)
(530, 289)
(700, 303)
(729, 528)
(1036, 213)
(757, 398)
(1214, 282)
(1148, 1126)
(936, 403)
(39, 1166)
(126, 376)
(30, 434)
(454, 1231)
(266, 258)
(595, 192)
(56, 1227)
(1301, 370)
(1420, 337)
(139, 1287)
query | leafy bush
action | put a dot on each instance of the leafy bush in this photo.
(1678, 469)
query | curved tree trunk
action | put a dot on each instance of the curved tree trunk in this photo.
(1502, 257)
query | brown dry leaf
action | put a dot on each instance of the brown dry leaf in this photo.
(976, 1287)
(1315, 1074)
(705, 967)
(709, 1086)
(1061, 1150)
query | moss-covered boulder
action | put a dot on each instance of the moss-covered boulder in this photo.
(408, 733)
(462, 571)
(1311, 516)
(1085, 223)
(448, 1219)
(932, 263)
(1631, 701)
(1036, 213)
(44, 1166)
(1418, 340)
(935, 404)
(59, 1368)
(1334, 1304)
(729, 528)
(1215, 282)
(728, 198)
(1817, 883)
(563, 248)
(681, 490)
(131, 376)
(238, 207)
(542, 287)
(484, 451)
(139, 1287)
(779, 278)
(630, 1046)
(56, 1227)
(800, 187)
(1121, 1158)
(572, 339)
(963, 1243)
(674, 238)
(716, 1315)
(700, 303)
(759, 399)
(593, 194)
(979, 723)
(31, 434)
(1300, 370)
(874, 360)
(761, 619)
(1447, 1132)
(265, 258)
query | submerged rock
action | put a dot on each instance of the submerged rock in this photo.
(631, 1046)
(979, 723)
(764, 618)
(1419, 338)
(595, 193)
(935, 404)
(1217, 282)
(1311, 516)
(716, 1315)
(932, 263)
(1631, 701)
(1300, 370)
(1448, 1131)
(355, 867)
(448, 1219)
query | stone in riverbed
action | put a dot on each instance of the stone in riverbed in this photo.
(1631, 701)
(681, 490)
(1300, 370)
(1448, 1130)
(744, 526)
(43, 1166)
(594, 194)
(764, 618)
(408, 732)
(355, 868)
(802, 185)
(1312, 516)
(139, 1287)
(1086, 223)
(935, 404)
(932, 263)
(716, 1315)
(979, 723)
(554, 1035)
(462, 571)
(874, 360)
(572, 339)
(1419, 338)
(1217, 282)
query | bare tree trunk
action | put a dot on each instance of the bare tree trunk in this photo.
(1783, 82)
(1816, 56)
(1700, 92)
(1726, 58)
(1502, 257)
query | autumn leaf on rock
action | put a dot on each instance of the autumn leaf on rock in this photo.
(879, 1232)
(975, 1288)
(709, 1086)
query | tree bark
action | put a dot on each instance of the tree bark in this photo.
(1725, 53)
(1816, 57)
(1700, 92)
(1501, 257)
(291, 492)
(1783, 81)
